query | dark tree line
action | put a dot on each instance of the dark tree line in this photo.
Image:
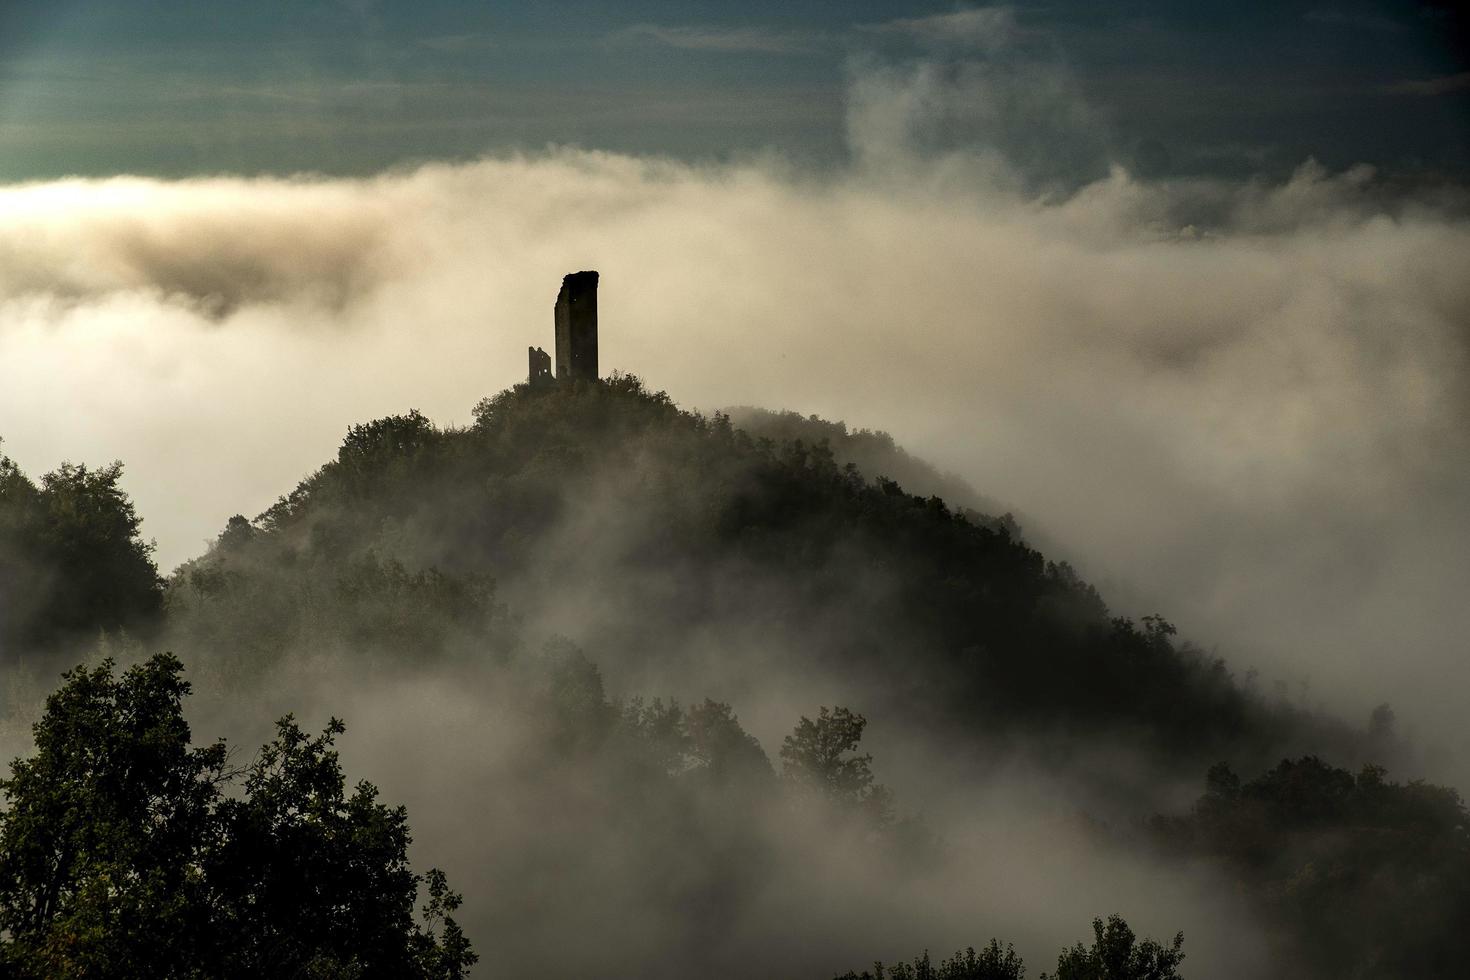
(1356, 875)
(1115, 954)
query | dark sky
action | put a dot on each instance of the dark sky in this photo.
(175, 87)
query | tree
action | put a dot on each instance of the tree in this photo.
(71, 559)
(106, 573)
(1381, 722)
(991, 963)
(821, 757)
(122, 856)
(1347, 869)
(1117, 954)
(101, 841)
(704, 745)
(237, 534)
(722, 750)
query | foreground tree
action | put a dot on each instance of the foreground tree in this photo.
(121, 855)
(1117, 954)
(991, 963)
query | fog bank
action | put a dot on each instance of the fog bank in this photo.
(1259, 427)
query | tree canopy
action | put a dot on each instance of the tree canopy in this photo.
(1357, 875)
(71, 558)
(126, 851)
(1115, 954)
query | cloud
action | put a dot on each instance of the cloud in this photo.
(983, 28)
(1442, 85)
(210, 248)
(728, 40)
(980, 98)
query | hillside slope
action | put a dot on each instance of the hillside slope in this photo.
(489, 607)
(681, 553)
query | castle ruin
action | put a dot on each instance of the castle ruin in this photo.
(540, 365)
(576, 327)
(576, 333)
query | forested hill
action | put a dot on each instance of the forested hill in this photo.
(669, 544)
(875, 454)
(493, 603)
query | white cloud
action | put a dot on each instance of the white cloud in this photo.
(981, 98)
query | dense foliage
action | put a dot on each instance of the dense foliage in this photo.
(71, 559)
(821, 757)
(607, 498)
(991, 963)
(1115, 954)
(122, 853)
(1360, 876)
(876, 455)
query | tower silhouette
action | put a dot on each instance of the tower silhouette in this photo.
(576, 327)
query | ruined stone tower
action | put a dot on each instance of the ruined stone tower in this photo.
(540, 365)
(576, 328)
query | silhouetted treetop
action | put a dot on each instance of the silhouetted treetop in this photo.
(71, 559)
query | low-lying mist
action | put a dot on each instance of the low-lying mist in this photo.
(583, 869)
(575, 858)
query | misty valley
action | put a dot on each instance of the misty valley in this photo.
(629, 690)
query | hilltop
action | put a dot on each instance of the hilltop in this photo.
(674, 546)
(496, 602)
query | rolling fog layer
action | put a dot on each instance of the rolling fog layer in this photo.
(570, 867)
(1243, 406)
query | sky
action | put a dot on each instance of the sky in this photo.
(1186, 286)
(179, 87)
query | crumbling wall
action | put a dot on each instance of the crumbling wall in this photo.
(540, 366)
(576, 327)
